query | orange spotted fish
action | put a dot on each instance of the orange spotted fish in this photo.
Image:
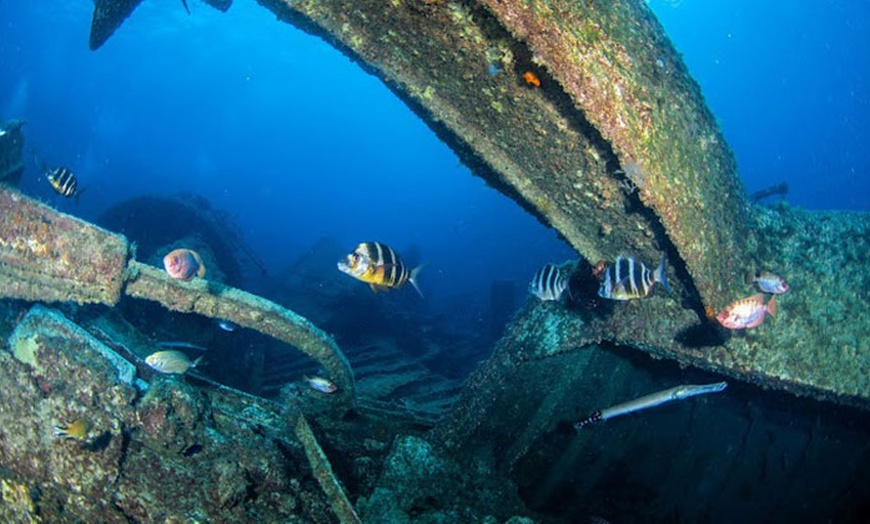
(379, 266)
(747, 312)
(184, 264)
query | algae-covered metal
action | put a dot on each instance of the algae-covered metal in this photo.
(46, 255)
(168, 451)
(50, 256)
(214, 300)
(610, 143)
(614, 62)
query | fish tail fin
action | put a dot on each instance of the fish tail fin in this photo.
(413, 278)
(661, 276)
(771, 306)
(749, 277)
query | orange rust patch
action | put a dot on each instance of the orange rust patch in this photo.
(531, 79)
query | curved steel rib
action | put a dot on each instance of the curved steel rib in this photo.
(651, 400)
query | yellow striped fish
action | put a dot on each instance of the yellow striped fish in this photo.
(379, 266)
(63, 181)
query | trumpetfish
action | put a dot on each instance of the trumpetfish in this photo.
(650, 401)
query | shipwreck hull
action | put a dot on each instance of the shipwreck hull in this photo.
(585, 114)
(617, 151)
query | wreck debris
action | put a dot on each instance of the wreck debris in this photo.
(43, 321)
(244, 309)
(604, 56)
(110, 14)
(50, 256)
(163, 451)
(341, 506)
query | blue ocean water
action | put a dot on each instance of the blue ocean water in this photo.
(296, 142)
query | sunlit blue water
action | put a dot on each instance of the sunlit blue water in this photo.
(297, 142)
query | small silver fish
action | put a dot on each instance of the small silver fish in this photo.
(321, 384)
(171, 361)
(768, 282)
(226, 325)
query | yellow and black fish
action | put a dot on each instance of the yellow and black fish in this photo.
(78, 429)
(379, 266)
(63, 181)
(629, 278)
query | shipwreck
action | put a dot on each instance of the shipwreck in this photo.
(613, 147)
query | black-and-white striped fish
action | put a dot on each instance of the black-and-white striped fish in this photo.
(549, 283)
(63, 181)
(629, 278)
(379, 266)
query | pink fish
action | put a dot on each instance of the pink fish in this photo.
(184, 264)
(746, 313)
(768, 282)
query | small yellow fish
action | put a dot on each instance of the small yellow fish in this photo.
(171, 361)
(76, 430)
